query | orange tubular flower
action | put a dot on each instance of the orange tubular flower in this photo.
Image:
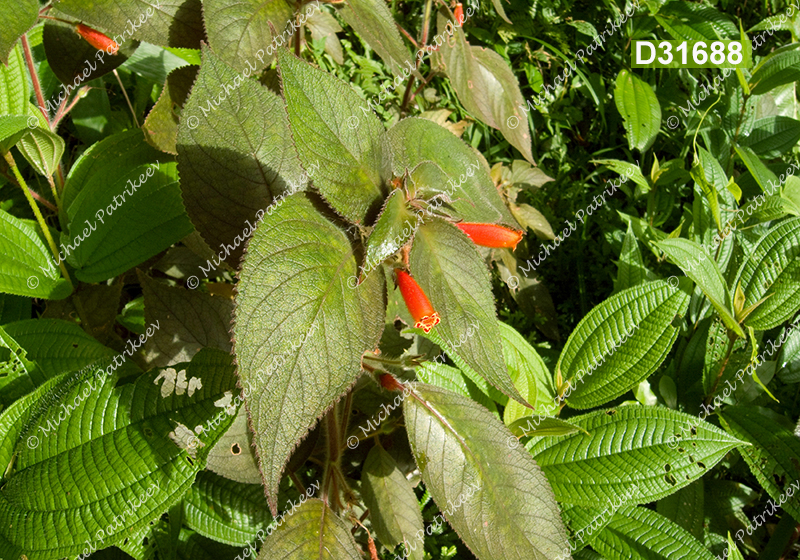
(459, 13)
(491, 235)
(97, 40)
(417, 302)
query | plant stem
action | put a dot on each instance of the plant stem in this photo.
(127, 99)
(37, 87)
(39, 218)
(54, 190)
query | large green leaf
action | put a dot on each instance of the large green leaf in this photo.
(697, 22)
(492, 493)
(300, 330)
(224, 510)
(780, 68)
(166, 23)
(14, 89)
(28, 267)
(240, 32)
(455, 380)
(773, 136)
(312, 532)
(638, 532)
(485, 85)
(17, 18)
(685, 508)
(124, 216)
(698, 265)
(620, 343)
(773, 454)
(456, 170)
(334, 130)
(641, 452)
(771, 269)
(373, 21)
(75, 476)
(639, 107)
(235, 156)
(393, 507)
(451, 272)
(12, 128)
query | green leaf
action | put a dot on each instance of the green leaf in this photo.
(773, 454)
(123, 215)
(234, 456)
(469, 460)
(395, 227)
(179, 24)
(643, 452)
(778, 69)
(392, 504)
(240, 33)
(455, 380)
(12, 128)
(334, 130)
(155, 63)
(28, 267)
(763, 176)
(639, 107)
(376, 26)
(18, 374)
(685, 508)
(629, 334)
(300, 330)
(57, 346)
(43, 150)
(773, 136)
(192, 321)
(541, 427)
(445, 165)
(684, 20)
(235, 156)
(100, 471)
(14, 89)
(312, 532)
(485, 85)
(226, 511)
(771, 270)
(631, 270)
(627, 170)
(529, 374)
(693, 260)
(17, 18)
(638, 532)
(451, 272)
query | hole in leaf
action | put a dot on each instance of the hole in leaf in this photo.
(191, 462)
(681, 450)
(701, 465)
(667, 467)
(670, 479)
(74, 344)
(694, 430)
(235, 449)
(148, 432)
(611, 412)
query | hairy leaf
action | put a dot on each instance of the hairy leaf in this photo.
(640, 109)
(17, 18)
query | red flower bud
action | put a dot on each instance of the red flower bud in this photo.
(97, 40)
(459, 13)
(417, 302)
(490, 235)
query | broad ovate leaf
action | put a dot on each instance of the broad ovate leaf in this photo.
(485, 85)
(620, 343)
(235, 155)
(335, 130)
(452, 274)
(642, 452)
(312, 532)
(771, 270)
(300, 329)
(637, 103)
(392, 505)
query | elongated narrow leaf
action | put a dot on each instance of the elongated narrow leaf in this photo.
(463, 175)
(312, 532)
(452, 274)
(771, 270)
(620, 343)
(541, 426)
(637, 532)
(335, 130)
(166, 23)
(17, 18)
(640, 109)
(393, 507)
(492, 493)
(781, 68)
(111, 477)
(28, 266)
(485, 85)
(14, 89)
(642, 452)
(57, 346)
(628, 169)
(631, 270)
(240, 32)
(224, 510)
(773, 454)
(765, 178)
(235, 156)
(300, 330)
(773, 136)
(701, 267)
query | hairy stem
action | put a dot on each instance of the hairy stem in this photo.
(37, 87)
